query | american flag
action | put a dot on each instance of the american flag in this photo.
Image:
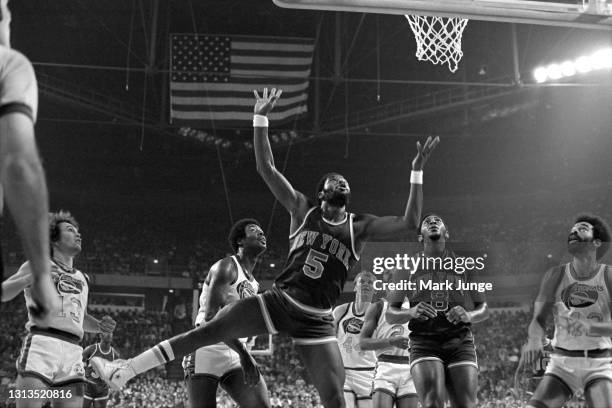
(213, 77)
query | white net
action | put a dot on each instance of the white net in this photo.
(438, 39)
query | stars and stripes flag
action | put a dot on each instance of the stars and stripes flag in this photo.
(213, 77)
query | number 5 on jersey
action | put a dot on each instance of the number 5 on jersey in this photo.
(313, 267)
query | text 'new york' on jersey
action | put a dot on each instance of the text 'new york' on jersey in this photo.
(320, 255)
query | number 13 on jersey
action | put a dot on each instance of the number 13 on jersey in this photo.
(313, 266)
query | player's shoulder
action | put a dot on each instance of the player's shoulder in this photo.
(24, 270)
(90, 349)
(555, 272)
(25, 267)
(342, 309)
(14, 61)
(363, 217)
(85, 276)
(224, 268)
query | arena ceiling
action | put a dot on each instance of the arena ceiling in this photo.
(116, 52)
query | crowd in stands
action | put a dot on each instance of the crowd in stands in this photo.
(136, 244)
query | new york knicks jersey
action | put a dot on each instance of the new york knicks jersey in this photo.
(581, 299)
(320, 255)
(385, 330)
(241, 288)
(72, 290)
(349, 329)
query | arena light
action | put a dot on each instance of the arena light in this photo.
(583, 65)
(597, 61)
(540, 74)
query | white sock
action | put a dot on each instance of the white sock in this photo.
(153, 357)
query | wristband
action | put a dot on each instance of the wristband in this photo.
(260, 121)
(416, 177)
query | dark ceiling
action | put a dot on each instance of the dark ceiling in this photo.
(550, 137)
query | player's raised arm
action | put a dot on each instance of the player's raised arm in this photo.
(23, 180)
(386, 227)
(294, 201)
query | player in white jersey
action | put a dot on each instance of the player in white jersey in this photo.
(578, 294)
(392, 380)
(22, 179)
(228, 364)
(51, 357)
(358, 364)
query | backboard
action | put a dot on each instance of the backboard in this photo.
(592, 14)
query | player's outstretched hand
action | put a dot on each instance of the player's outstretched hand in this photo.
(423, 152)
(265, 103)
(423, 311)
(250, 370)
(457, 315)
(401, 342)
(107, 324)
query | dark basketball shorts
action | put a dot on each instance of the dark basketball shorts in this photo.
(456, 350)
(305, 324)
(95, 390)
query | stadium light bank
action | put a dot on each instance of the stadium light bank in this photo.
(598, 61)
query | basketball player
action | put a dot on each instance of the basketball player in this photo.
(578, 295)
(325, 242)
(228, 280)
(96, 390)
(442, 352)
(358, 364)
(51, 357)
(21, 173)
(393, 383)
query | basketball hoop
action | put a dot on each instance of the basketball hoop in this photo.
(438, 39)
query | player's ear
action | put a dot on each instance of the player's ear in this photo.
(597, 243)
(446, 235)
(420, 238)
(321, 195)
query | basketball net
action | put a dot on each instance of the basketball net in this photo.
(438, 39)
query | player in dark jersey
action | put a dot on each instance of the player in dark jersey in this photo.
(442, 352)
(96, 390)
(325, 242)
(22, 177)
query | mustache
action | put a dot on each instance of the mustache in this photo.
(574, 236)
